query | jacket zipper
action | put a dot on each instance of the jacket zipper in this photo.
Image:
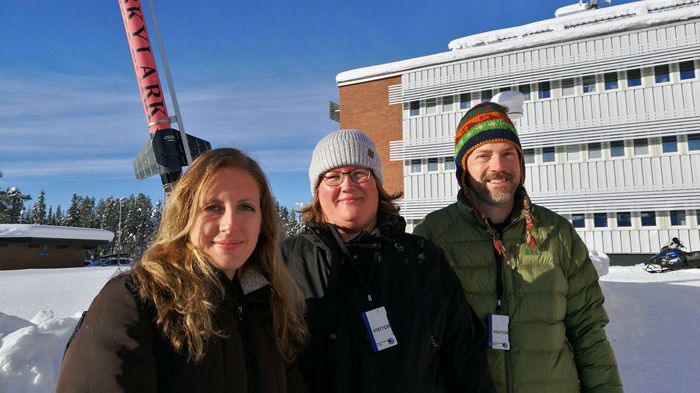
(249, 363)
(504, 304)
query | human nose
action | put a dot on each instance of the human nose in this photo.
(498, 163)
(346, 181)
(228, 221)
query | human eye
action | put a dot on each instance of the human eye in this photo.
(332, 177)
(248, 207)
(212, 208)
(360, 175)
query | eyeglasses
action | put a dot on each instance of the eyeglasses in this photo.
(336, 178)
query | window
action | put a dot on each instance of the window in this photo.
(661, 74)
(572, 153)
(634, 77)
(687, 70)
(430, 106)
(624, 219)
(543, 90)
(669, 144)
(697, 216)
(567, 87)
(595, 151)
(525, 90)
(678, 217)
(648, 219)
(432, 164)
(641, 147)
(600, 220)
(449, 163)
(447, 103)
(588, 83)
(529, 156)
(465, 100)
(415, 108)
(548, 154)
(610, 81)
(502, 89)
(579, 220)
(415, 166)
(694, 142)
(486, 95)
(617, 149)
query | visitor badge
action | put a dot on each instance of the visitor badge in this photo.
(379, 330)
(498, 332)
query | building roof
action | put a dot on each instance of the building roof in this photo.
(33, 231)
(572, 26)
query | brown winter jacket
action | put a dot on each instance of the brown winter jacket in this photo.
(118, 348)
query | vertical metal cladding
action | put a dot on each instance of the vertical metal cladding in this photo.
(152, 95)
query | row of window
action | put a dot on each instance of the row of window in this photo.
(433, 164)
(613, 149)
(573, 153)
(566, 87)
(624, 219)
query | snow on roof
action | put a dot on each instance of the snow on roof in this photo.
(53, 232)
(569, 27)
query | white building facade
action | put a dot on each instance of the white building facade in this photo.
(611, 124)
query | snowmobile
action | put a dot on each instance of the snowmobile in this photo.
(672, 257)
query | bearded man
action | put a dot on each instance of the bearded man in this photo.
(526, 271)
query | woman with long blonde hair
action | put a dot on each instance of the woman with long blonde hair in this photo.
(209, 307)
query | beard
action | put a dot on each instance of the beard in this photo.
(500, 196)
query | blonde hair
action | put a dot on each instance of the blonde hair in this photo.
(313, 213)
(174, 276)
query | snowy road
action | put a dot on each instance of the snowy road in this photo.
(655, 328)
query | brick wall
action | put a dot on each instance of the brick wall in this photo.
(365, 106)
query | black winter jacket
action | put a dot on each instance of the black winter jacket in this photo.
(441, 344)
(118, 348)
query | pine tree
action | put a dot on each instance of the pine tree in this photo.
(38, 213)
(50, 219)
(138, 226)
(86, 216)
(288, 220)
(12, 205)
(73, 213)
(58, 217)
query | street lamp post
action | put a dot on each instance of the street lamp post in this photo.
(119, 233)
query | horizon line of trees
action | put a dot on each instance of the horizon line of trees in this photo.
(133, 219)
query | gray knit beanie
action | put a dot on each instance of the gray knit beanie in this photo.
(344, 147)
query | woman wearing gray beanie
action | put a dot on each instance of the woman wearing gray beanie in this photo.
(385, 311)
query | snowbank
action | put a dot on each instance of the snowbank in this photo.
(601, 261)
(653, 324)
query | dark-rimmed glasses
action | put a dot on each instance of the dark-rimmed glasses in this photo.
(336, 178)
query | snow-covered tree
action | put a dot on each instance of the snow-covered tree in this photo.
(73, 213)
(58, 218)
(50, 219)
(86, 215)
(38, 212)
(12, 205)
(289, 221)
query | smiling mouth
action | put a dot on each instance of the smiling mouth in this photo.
(228, 245)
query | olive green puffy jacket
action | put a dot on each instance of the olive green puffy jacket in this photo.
(551, 293)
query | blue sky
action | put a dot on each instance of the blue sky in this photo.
(256, 75)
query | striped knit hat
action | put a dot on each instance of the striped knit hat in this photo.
(488, 122)
(344, 147)
(484, 123)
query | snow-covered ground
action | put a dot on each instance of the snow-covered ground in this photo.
(654, 328)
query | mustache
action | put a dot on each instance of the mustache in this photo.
(498, 176)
